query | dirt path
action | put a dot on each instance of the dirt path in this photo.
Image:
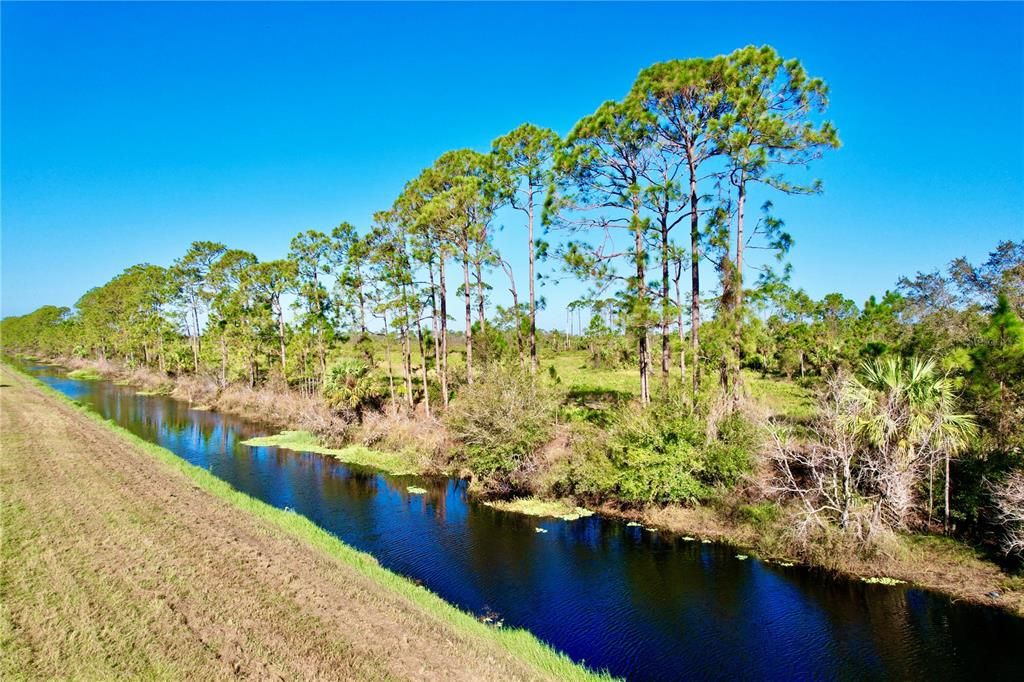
(115, 565)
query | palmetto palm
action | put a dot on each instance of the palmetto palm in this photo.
(908, 411)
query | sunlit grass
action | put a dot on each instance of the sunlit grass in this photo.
(304, 441)
(782, 397)
(571, 369)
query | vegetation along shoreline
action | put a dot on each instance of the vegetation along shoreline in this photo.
(938, 564)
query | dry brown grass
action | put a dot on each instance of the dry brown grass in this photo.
(423, 439)
(286, 409)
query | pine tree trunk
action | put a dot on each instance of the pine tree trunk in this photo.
(533, 300)
(945, 511)
(223, 360)
(407, 349)
(737, 379)
(444, 333)
(665, 344)
(391, 369)
(682, 336)
(362, 307)
(469, 320)
(195, 339)
(480, 297)
(281, 338)
(694, 274)
(423, 366)
(641, 278)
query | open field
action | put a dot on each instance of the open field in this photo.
(121, 560)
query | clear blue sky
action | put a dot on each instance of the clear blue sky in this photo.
(129, 130)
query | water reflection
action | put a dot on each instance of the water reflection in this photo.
(643, 605)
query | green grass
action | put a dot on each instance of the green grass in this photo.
(537, 507)
(520, 643)
(304, 441)
(571, 368)
(783, 398)
(84, 374)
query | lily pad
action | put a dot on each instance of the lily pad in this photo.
(633, 524)
(415, 490)
(541, 530)
(742, 557)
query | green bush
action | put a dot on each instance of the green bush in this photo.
(499, 422)
(658, 455)
(731, 455)
(762, 515)
(350, 384)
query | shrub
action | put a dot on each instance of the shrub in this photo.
(588, 473)
(499, 422)
(350, 384)
(761, 515)
(730, 456)
(658, 455)
(1009, 498)
(422, 439)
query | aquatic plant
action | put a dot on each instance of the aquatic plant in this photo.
(84, 374)
(536, 507)
(304, 441)
(883, 581)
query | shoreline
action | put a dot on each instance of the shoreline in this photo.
(940, 565)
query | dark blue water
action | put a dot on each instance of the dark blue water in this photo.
(642, 605)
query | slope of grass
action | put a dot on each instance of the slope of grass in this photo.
(521, 643)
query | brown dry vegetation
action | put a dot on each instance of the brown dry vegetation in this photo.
(116, 564)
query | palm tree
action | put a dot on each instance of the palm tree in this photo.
(908, 411)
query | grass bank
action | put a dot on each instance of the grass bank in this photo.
(122, 560)
(304, 441)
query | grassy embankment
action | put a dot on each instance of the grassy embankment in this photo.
(122, 560)
(934, 562)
